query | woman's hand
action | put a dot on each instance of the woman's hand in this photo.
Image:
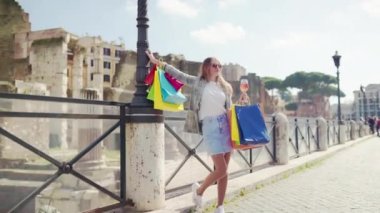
(151, 57)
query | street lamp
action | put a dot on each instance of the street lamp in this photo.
(140, 105)
(364, 103)
(336, 58)
(145, 135)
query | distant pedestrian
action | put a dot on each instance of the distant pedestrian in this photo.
(371, 123)
(378, 126)
(210, 101)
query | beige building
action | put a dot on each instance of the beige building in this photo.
(233, 72)
(67, 63)
(366, 102)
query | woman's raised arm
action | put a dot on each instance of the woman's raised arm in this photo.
(184, 77)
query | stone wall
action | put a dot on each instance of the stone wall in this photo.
(12, 20)
(317, 106)
(34, 131)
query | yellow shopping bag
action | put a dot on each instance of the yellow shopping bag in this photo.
(157, 95)
(235, 136)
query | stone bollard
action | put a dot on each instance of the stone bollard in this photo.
(354, 130)
(361, 129)
(281, 137)
(342, 133)
(145, 151)
(367, 130)
(322, 134)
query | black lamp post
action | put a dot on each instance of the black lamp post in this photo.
(140, 104)
(336, 58)
(364, 103)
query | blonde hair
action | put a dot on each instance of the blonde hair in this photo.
(205, 74)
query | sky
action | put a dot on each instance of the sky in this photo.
(268, 37)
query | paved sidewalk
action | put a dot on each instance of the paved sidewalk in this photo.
(349, 181)
(343, 183)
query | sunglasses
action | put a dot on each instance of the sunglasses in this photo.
(216, 66)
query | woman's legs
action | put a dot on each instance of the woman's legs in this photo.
(221, 163)
(222, 182)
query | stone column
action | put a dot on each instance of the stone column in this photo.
(68, 194)
(322, 134)
(342, 133)
(367, 130)
(145, 165)
(361, 129)
(89, 130)
(354, 130)
(77, 74)
(282, 138)
(77, 86)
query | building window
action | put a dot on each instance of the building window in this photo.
(106, 78)
(92, 76)
(107, 51)
(117, 53)
(107, 65)
(92, 63)
(92, 49)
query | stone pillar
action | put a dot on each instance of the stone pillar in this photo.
(367, 130)
(145, 165)
(354, 130)
(361, 129)
(58, 127)
(282, 138)
(322, 134)
(67, 191)
(342, 133)
(77, 74)
(89, 130)
(34, 130)
(77, 86)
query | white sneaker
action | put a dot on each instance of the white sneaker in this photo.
(220, 209)
(197, 199)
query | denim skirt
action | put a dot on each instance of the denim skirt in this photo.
(216, 134)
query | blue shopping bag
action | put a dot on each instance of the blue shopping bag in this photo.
(169, 93)
(251, 125)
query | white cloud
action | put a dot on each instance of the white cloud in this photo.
(131, 5)
(227, 3)
(294, 40)
(372, 7)
(178, 8)
(220, 33)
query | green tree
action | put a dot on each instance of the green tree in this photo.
(312, 83)
(271, 83)
(291, 106)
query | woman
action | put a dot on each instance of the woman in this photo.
(210, 99)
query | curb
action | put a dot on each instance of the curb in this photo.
(240, 186)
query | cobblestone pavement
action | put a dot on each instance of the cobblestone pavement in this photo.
(349, 181)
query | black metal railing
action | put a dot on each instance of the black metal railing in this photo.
(303, 139)
(332, 133)
(248, 157)
(303, 136)
(67, 167)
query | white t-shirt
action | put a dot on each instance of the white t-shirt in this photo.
(213, 101)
